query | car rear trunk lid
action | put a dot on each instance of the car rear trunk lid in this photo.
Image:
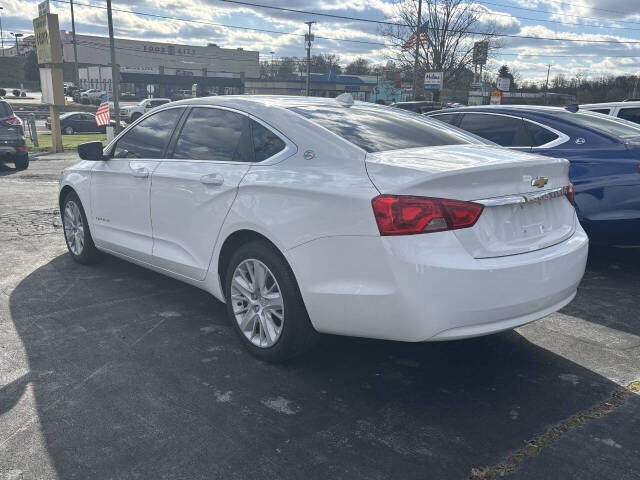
(525, 208)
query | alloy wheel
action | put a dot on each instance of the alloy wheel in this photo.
(73, 227)
(257, 303)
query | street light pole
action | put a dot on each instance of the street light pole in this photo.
(417, 53)
(546, 85)
(309, 38)
(75, 45)
(115, 71)
(1, 34)
(17, 36)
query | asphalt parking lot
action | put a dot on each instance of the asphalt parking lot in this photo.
(111, 371)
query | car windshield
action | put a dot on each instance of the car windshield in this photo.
(379, 129)
(5, 110)
(613, 126)
(67, 115)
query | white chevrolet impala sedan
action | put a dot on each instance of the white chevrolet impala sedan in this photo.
(311, 215)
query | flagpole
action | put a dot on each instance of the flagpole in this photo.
(417, 53)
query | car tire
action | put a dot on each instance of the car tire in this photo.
(76, 230)
(68, 130)
(22, 163)
(287, 331)
(135, 117)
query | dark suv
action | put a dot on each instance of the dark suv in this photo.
(12, 142)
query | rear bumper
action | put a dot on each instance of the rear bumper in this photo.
(427, 287)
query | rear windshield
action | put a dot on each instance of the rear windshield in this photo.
(613, 126)
(379, 129)
(5, 110)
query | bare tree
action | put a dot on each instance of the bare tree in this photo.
(449, 27)
(325, 62)
(360, 66)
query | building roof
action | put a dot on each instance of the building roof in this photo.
(330, 77)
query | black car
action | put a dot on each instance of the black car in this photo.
(418, 106)
(12, 142)
(75, 122)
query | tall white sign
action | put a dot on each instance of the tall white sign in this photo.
(433, 81)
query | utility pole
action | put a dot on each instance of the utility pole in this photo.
(1, 34)
(546, 85)
(75, 46)
(309, 39)
(417, 53)
(115, 70)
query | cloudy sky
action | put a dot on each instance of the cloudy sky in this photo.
(609, 22)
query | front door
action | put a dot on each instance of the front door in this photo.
(195, 186)
(121, 185)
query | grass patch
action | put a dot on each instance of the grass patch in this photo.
(69, 142)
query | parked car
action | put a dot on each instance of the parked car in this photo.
(12, 140)
(604, 153)
(418, 106)
(314, 215)
(78, 122)
(133, 112)
(627, 110)
(93, 93)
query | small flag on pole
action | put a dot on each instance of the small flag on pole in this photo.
(102, 114)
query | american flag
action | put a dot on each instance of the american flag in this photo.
(102, 114)
(410, 44)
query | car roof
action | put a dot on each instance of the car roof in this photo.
(611, 104)
(258, 103)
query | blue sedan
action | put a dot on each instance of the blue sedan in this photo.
(604, 153)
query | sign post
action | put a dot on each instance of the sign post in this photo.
(49, 51)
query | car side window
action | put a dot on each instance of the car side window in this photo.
(539, 135)
(214, 134)
(446, 117)
(501, 129)
(148, 138)
(265, 143)
(631, 114)
(601, 110)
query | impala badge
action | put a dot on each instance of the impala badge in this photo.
(539, 182)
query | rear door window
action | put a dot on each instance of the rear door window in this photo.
(631, 114)
(379, 129)
(504, 130)
(5, 110)
(600, 110)
(539, 135)
(266, 144)
(214, 134)
(149, 138)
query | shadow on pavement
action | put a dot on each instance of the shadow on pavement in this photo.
(135, 375)
(610, 289)
(6, 170)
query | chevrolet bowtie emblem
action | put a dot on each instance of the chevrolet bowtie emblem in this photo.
(539, 182)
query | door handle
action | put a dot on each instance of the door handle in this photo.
(141, 172)
(212, 179)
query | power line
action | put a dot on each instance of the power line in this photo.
(537, 10)
(346, 17)
(203, 22)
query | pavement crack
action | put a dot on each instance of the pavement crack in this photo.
(535, 445)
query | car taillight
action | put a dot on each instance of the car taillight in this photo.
(21, 148)
(409, 215)
(571, 193)
(14, 121)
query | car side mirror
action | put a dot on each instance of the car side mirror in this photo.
(91, 151)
